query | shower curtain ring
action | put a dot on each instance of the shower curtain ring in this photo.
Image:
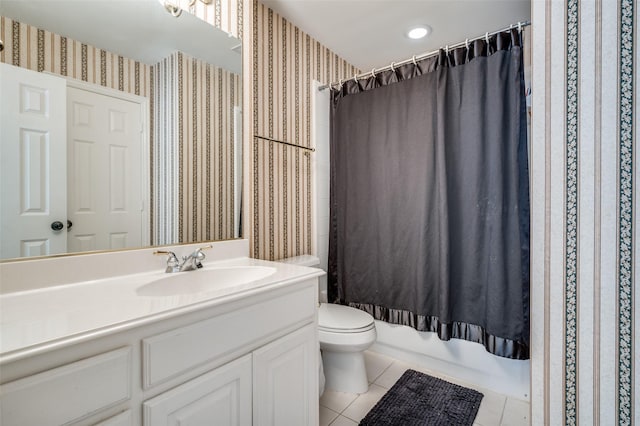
(373, 73)
(414, 60)
(466, 43)
(486, 37)
(355, 78)
(393, 67)
(340, 83)
(446, 49)
(519, 26)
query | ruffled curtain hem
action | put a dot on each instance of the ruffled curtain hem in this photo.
(499, 346)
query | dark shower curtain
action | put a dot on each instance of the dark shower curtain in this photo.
(430, 196)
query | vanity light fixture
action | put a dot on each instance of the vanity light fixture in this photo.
(417, 33)
(172, 9)
(175, 10)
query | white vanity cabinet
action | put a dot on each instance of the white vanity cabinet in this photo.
(276, 385)
(285, 380)
(247, 359)
(72, 391)
(222, 397)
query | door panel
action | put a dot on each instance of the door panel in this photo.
(105, 179)
(32, 163)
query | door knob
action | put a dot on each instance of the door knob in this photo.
(69, 224)
(57, 225)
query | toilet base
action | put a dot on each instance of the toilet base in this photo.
(345, 371)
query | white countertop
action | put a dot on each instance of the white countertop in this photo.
(43, 319)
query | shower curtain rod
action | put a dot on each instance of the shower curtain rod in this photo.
(422, 56)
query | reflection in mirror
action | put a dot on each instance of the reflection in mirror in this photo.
(121, 127)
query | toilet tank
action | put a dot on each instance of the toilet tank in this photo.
(313, 262)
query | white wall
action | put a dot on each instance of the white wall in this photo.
(320, 179)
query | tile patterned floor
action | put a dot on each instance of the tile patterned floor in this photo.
(347, 409)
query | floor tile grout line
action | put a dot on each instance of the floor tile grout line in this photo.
(382, 372)
(353, 420)
(504, 407)
(333, 411)
(359, 395)
(334, 420)
(351, 403)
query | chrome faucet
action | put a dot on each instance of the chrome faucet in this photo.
(193, 261)
(173, 264)
(189, 263)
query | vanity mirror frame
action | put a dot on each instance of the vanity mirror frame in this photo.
(205, 13)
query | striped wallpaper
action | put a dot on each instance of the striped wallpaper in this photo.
(196, 189)
(284, 62)
(40, 50)
(223, 14)
(207, 96)
(584, 234)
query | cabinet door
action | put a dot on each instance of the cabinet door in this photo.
(285, 380)
(220, 397)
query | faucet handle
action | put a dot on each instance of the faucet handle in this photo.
(199, 253)
(199, 256)
(172, 260)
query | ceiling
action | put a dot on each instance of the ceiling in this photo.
(371, 33)
(142, 29)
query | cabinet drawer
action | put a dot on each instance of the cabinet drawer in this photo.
(177, 351)
(68, 393)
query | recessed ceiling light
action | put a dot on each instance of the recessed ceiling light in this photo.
(418, 32)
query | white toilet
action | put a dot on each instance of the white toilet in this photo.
(344, 334)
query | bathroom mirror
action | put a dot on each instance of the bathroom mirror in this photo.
(184, 75)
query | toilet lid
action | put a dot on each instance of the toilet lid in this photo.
(343, 318)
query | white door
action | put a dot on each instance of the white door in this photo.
(105, 176)
(221, 397)
(285, 380)
(32, 163)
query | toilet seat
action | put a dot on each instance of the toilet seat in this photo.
(334, 318)
(346, 331)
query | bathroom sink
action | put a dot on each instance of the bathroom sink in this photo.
(204, 280)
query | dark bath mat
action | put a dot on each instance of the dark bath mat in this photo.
(417, 399)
